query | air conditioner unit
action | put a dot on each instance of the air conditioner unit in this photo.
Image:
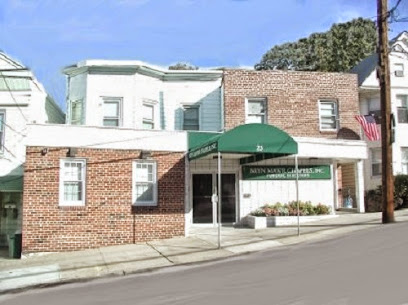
(399, 73)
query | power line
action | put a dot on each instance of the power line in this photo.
(12, 129)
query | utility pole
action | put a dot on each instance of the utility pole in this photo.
(386, 143)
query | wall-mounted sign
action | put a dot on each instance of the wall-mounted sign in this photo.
(285, 172)
(202, 151)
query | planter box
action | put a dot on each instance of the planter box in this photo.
(257, 222)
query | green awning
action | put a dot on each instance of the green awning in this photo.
(11, 183)
(260, 141)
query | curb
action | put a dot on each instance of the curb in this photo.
(102, 271)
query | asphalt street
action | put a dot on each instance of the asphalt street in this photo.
(364, 267)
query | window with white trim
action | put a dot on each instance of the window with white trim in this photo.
(374, 109)
(72, 182)
(399, 69)
(144, 188)
(191, 118)
(404, 160)
(2, 129)
(112, 111)
(328, 112)
(402, 108)
(76, 111)
(376, 161)
(148, 116)
(255, 110)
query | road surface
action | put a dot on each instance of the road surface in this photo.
(365, 267)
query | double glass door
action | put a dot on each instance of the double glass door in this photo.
(204, 185)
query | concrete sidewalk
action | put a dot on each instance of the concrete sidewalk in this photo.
(200, 246)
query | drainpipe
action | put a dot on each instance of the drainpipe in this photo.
(297, 194)
(222, 107)
(219, 200)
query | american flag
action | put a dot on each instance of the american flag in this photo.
(369, 126)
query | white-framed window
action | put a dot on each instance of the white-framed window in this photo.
(2, 129)
(399, 69)
(191, 117)
(404, 160)
(402, 108)
(76, 111)
(148, 116)
(72, 182)
(374, 109)
(376, 161)
(328, 114)
(112, 111)
(255, 110)
(144, 189)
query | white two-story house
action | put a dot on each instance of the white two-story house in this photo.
(133, 94)
(369, 96)
(23, 100)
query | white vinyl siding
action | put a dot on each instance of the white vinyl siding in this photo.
(72, 182)
(255, 110)
(112, 109)
(144, 183)
(376, 162)
(2, 129)
(328, 112)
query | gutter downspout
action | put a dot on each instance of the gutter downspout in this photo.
(222, 105)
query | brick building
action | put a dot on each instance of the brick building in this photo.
(318, 110)
(118, 172)
(82, 190)
(292, 100)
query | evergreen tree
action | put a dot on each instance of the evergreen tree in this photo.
(337, 50)
(183, 66)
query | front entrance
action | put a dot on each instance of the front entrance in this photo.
(10, 219)
(204, 185)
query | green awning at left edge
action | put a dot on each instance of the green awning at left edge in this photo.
(11, 183)
(252, 139)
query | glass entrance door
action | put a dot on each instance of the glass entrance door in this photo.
(228, 197)
(202, 205)
(203, 187)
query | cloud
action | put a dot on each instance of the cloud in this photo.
(347, 15)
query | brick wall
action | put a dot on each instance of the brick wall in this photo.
(108, 217)
(293, 100)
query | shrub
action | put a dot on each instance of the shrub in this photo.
(401, 188)
(322, 209)
(290, 209)
(373, 198)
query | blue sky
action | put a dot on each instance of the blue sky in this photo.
(47, 35)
